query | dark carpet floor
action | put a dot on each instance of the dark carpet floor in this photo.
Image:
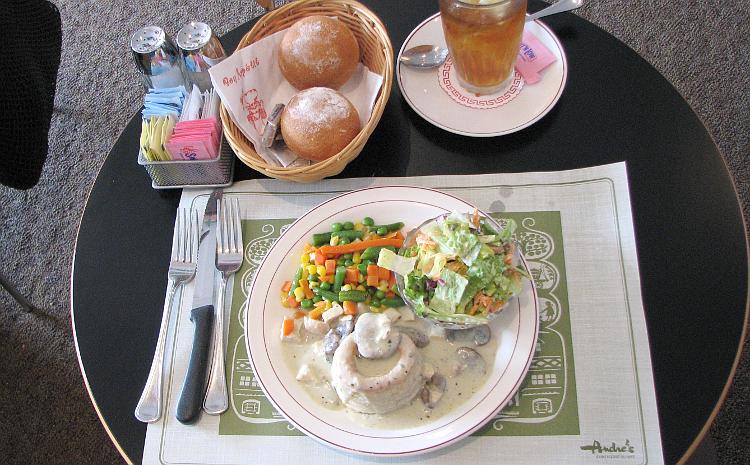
(701, 47)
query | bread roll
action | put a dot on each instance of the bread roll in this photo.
(318, 51)
(318, 123)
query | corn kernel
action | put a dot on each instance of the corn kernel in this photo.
(360, 278)
(311, 269)
(285, 302)
(304, 258)
(308, 248)
(359, 226)
(356, 258)
(321, 270)
(328, 305)
(299, 294)
(346, 287)
(305, 274)
(361, 288)
(335, 240)
(383, 286)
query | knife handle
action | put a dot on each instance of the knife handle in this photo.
(194, 388)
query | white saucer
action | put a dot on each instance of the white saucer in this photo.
(503, 113)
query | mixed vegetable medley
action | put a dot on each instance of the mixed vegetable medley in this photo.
(463, 271)
(339, 268)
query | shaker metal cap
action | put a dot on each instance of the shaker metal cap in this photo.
(193, 35)
(147, 39)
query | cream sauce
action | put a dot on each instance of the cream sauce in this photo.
(440, 354)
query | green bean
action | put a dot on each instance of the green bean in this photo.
(326, 286)
(329, 296)
(317, 299)
(295, 281)
(338, 278)
(349, 235)
(354, 296)
(393, 302)
(372, 253)
(321, 239)
(344, 241)
(389, 227)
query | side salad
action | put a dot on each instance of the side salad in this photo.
(460, 269)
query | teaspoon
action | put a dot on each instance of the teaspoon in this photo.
(430, 56)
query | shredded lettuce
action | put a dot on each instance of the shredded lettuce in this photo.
(391, 261)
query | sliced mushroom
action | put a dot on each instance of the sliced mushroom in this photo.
(433, 390)
(331, 342)
(482, 335)
(419, 338)
(345, 326)
(469, 358)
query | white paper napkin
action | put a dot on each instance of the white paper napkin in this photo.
(250, 83)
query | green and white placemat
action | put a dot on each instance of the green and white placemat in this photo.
(588, 396)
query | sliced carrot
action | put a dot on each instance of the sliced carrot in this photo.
(306, 288)
(392, 279)
(327, 250)
(390, 294)
(352, 276)
(287, 327)
(384, 274)
(372, 280)
(316, 313)
(372, 270)
(330, 266)
(320, 258)
(298, 314)
(287, 286)
(327, 278)
(350, 308)
(398, 235)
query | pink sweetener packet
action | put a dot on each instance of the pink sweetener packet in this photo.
(533, 57)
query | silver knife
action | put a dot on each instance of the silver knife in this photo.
(194, 387)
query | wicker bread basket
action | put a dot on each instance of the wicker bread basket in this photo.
(376, 53)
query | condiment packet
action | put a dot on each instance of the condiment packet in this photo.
(250, 84)
(533, 57)
(162, 102)
(198, 134)
(154, 131)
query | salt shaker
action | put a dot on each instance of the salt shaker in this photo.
(200, 49)
(156, 58)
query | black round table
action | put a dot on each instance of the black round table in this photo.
(691, 240)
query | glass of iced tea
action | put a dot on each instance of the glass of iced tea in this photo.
(483, 37)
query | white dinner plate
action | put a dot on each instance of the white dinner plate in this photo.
(437, 97)
(517, 329)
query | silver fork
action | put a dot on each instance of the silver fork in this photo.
(181, 270)
(229, 253)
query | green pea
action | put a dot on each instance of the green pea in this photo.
(337, 227)
(343, 241)
(317, 299)
(362, 268)
(367, 221)
(382, 231)
(375, 303)
(348, 226)
(380, 294)
(348, 262)
(340, 262)
(306, 303)
(326, 286)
